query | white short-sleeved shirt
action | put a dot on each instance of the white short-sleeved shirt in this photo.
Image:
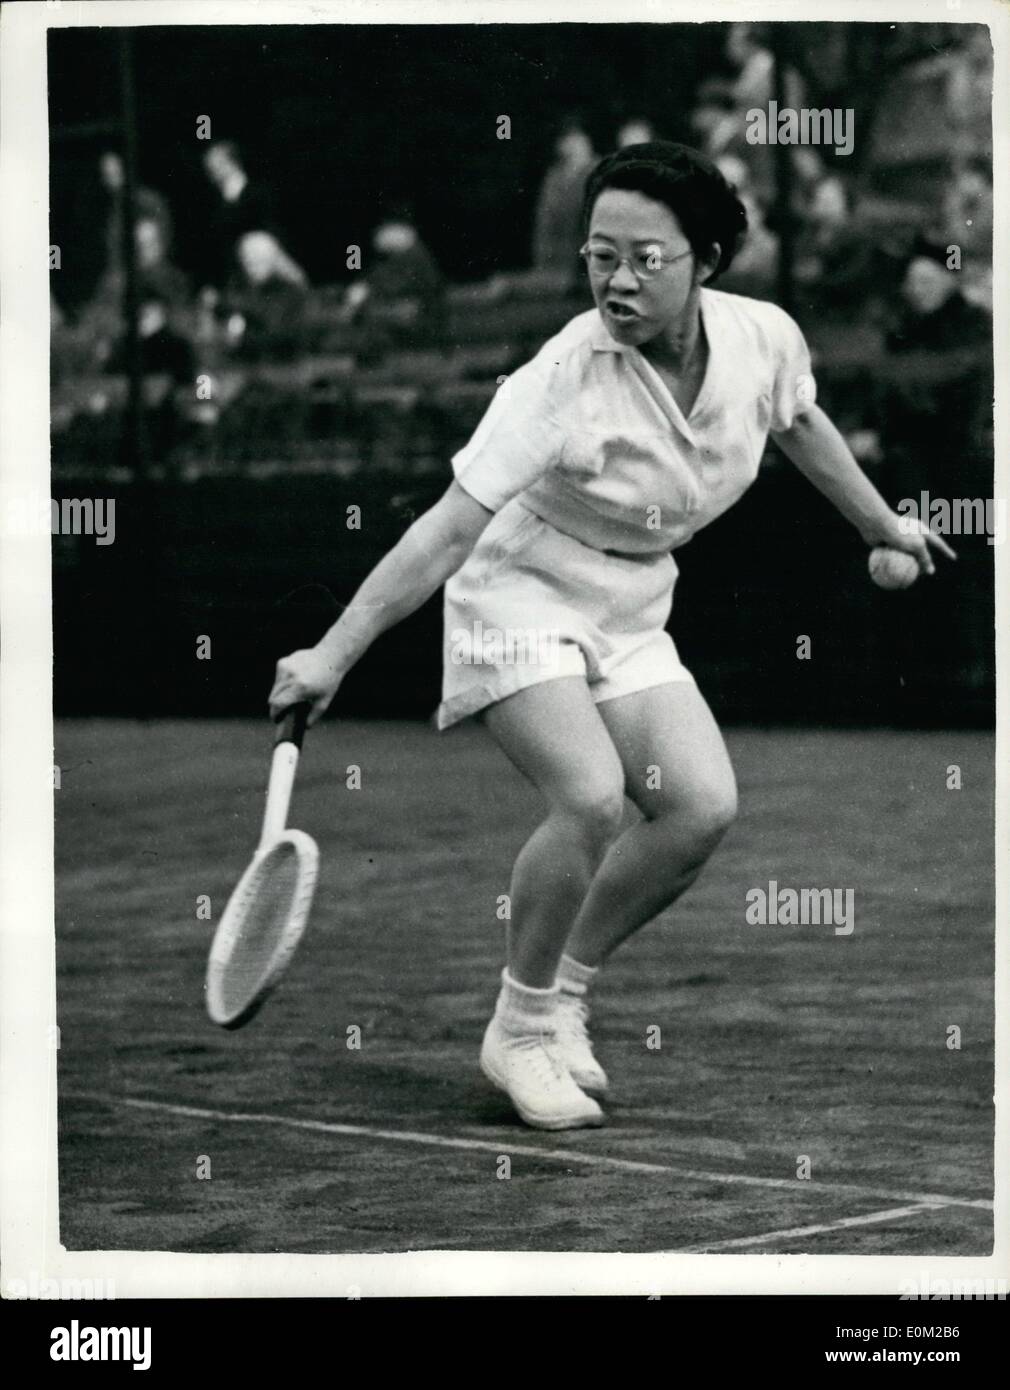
(590, 439)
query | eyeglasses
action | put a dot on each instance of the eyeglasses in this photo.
(644, 264)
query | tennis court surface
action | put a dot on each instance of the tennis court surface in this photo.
(782, 1048)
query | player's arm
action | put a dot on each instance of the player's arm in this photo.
(423, 559)
(821, 454)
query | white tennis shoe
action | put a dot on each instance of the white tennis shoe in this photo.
(529, 1069)
(574, 1047)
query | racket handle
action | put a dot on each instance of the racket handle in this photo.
(283, 766)
(291, 728)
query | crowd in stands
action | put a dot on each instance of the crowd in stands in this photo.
(857, 259)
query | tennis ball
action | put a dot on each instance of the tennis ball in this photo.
(893, 569)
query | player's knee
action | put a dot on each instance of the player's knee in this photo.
(597, 810)
(711, 815)
(704, 821)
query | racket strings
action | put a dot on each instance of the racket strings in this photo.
(260, 930)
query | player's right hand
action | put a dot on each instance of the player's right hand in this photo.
(304, 675)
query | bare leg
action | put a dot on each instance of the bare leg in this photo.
(679, 775)
(554, 734)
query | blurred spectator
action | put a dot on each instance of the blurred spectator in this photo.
(936, 316)
(734, 171)
(714, 119)
(938, 437)
(265, 300)
(147, 204)
(938, 409)
(969, 67)
(239, 207)
(262, 260)
(70, 352)
(401, 298)
(636, 130)
(557, 224)
(558, 218)
(967, 221)
(163, 351)
(753, 84)
(756, 263)
(102, 318)
(155, 272)
(719, 119)
(837, 264)
(167, 363)
(814, 190)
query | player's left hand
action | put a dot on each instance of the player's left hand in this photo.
(913, 537)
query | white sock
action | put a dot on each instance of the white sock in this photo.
(574, 977)
(523, 1009)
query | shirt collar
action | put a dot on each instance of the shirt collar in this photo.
(602, 341)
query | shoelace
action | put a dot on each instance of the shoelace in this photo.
(573, 1018)
(546, 1064)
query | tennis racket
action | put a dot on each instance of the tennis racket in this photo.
(267, 913)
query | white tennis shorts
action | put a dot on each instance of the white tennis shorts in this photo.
(532, 604)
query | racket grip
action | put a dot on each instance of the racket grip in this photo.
(291, 728)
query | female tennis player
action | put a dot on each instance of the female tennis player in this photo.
(640, 422)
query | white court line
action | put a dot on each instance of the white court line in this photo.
(794, 1232)
(440, 1141)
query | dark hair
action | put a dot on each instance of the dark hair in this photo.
(683, 180)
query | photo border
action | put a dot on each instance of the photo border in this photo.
(29, 1219)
